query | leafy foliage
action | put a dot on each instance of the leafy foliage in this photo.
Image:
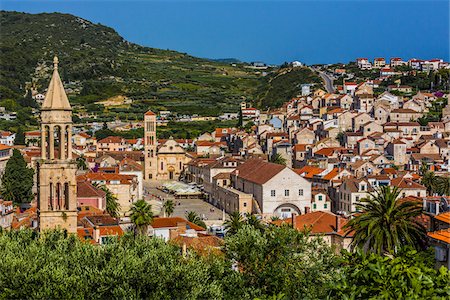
(383, 223)
(112, 203)
(141, 216)
(408, 275)
(17, 180)
(234, 223)
(282, 260)
(169, 207)
(278, 159)
(193, 217)
(284, 84)
(56, 266)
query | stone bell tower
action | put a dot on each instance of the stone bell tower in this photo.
(150, 147)
(56, 178)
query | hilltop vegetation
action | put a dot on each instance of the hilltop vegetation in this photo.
(96, 64)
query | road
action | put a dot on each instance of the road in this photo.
(328, 82)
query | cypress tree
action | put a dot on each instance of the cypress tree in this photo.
(17, 181)
(20, 137)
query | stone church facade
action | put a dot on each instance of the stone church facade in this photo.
(165, 161)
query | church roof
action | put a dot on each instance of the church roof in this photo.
(56, 98)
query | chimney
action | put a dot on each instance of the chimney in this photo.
(293, 220)
(338, 223)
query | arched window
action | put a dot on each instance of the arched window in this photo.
(68, 136)
(50, 200)
(47, 141)
(58, 196)
(66, 196)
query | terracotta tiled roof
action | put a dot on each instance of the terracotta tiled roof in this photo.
(330, 175)
(309, 171)
(404, 183)
(111, 230)
(320, 222)
(222, 176)
(127, 164)
(124, 179)
(102, 220)
(300, 147)
(441, 235)
(173, 222)
(328, 151)
(444, 217)
(86, 190)
(404, 111)
(200, 243)
(150, 113)
(111, 140)
(258, 171)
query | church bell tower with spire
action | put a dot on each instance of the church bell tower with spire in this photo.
(56, 178)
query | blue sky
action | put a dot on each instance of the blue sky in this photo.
(271, 31)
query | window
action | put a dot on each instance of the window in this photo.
(272, 193)
(300, 192)
(286, 193)
(162, 166)
(245, 204)
(150, 176)
(320, 197)
(357, 199)
(314, 206)
(325, 205)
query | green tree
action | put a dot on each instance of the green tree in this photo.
(383, 223)
(141, 216)
(252, 220)
(442, 185)
(234, 223)
(408, 275)
(282, 260)
(54, 265)
(112, 203)
(169, 207)
(17, 180)
(240, 119)
(81, 163)
(193, 217)
(340, 137)
(278, 159)
(20, 137)
(429, 181)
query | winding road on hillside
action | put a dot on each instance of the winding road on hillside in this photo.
(328, 82)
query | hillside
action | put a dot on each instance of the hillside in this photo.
(97, 64)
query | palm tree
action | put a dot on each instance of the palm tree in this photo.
(141, 216)
(253, 221)
(81, 163)
(112, 203)
(193, 217)
(384, 223)
(169, 207)
(235, 222)
(278, 159)
(442, 185)
(429, 181)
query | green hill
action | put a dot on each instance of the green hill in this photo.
(97, 64)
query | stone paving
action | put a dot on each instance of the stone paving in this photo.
(156, 197)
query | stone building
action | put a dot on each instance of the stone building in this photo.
(56, 180)
(165, 161)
